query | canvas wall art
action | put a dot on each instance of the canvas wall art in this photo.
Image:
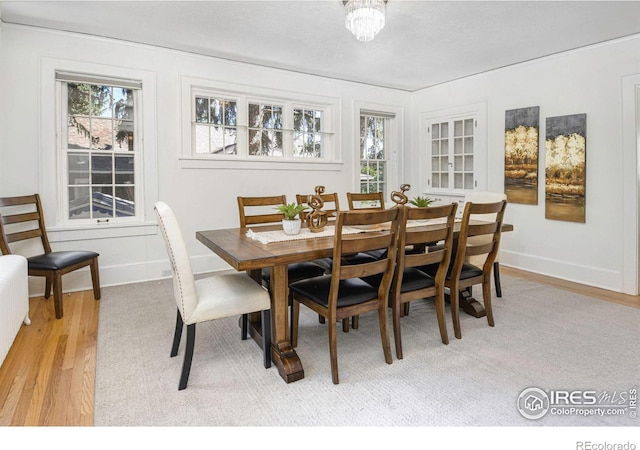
(565, 168)
(521, 137)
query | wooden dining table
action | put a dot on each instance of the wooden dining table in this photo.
(243, 253)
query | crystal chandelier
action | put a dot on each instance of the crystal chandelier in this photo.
(365, 18)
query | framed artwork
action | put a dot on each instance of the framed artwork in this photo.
(565, 168)
(521, 137)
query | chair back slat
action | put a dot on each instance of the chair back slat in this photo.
(253, 210)
(469, 244)
(365, 200)
(21, 219)
(345, 245)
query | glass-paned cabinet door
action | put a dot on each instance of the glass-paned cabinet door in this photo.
(452, 147)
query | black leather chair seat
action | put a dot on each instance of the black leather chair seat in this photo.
(351, 291)
(297, 271)
(59, 260)
(468, 271)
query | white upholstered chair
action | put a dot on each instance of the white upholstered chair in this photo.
(485, 197)
(214, 297)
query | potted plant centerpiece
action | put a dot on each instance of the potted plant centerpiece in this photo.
(291, 221)
(421, 202)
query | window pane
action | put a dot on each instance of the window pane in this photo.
(382, 176)
(79, 203)
(255, 142)
(125, 201)
(102, 202)
(231, 112)
(78, 168)
(458, 181)
(457, 163)
(102, 134)
(124, 135)
(436, 180)
(435, 131)
(468, 163)
(201, 136)
(124, 170)
(435, 147)
(458, 129)
(444, 164)
(101, 101)
(444, 180)
(457, 146)
(254, 115)
(468, 127)
(444, 130)
(468, 145)
(101, 170)
(468, 181)
(435, 163)
(78, 133)
(216, 113)
(78, 99)
(202, 110)
(123, 103)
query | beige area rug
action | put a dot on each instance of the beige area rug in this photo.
(544, 337)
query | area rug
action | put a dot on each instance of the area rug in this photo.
(546, 341)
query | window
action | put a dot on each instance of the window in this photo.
(99, 148)
(373, 153)
(235, 125)
(454, 146)
(215, 129)
(265, 130)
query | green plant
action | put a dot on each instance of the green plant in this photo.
(291, 210)
(421, 202)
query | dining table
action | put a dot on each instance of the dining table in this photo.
(242, 249)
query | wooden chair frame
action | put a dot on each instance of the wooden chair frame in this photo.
(348, 245)
(30, 225)
(414, 252)
(463, 251)
(353, 199)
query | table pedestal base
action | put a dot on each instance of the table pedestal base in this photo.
(468, 304)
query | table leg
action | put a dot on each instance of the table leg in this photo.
(470, 305)
(283, 354)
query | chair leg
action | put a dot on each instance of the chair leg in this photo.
(95, 278)
(177, 335)
(496, 278)
(188, 356)
(47, 286)
(266, 337)
(384, 334)
(486, 297)
(441, 319)
(321, 319)
(244, 327)
(333, 350)
(397, 311)
(455, 310)
(57, 294)
(345, 325)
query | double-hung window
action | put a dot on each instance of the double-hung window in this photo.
(376, 138)
(100, 149)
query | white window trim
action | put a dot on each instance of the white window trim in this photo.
(395, 157)
(480, 157)
(50, 172)
(243, 94)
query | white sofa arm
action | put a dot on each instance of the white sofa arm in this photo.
(14, 300)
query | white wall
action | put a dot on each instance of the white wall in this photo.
(202, 198)
(587, 81)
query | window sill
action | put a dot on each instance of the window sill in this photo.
(262, 164)
(89, 232)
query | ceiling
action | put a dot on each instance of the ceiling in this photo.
(424, 43)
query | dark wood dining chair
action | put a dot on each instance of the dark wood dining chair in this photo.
(343, 293)
(22, 219)
(409, 282)
(461, 274)
(365, 200)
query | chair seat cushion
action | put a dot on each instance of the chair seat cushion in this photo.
(227, 295)
(414, 279)
(350, 292)
(297, 271)
(59, 260)
(468, 271)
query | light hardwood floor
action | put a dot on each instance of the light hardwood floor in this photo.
(48, 377)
